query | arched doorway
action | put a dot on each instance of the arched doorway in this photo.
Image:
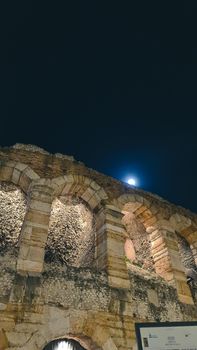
(64, 344)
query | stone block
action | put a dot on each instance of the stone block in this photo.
(153, 297)
(39, 235)
(24, 182)
(88, 194)
(27, 267)
(60, 181)
(40, 206)
(37, 217)
(67, 188)
(16, 339)
(31, 174)
(16, 176)
(100, 336)
(117, 282)
(102, 194)
(21, 166)
(35, 254)
(3, 340)
(93, 202)
(3, 306)
(95, 186)
(6, 173)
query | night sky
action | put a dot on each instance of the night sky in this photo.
(112, 83)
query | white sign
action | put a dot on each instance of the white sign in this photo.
(168, 337)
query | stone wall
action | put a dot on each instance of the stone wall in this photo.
(71, 302)
(12, 213)
(68, 276)
(71, 237)
(186, 253)
(138, 235)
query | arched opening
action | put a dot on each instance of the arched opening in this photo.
(189, 264)
(71, 237)
(64, 344)
(185, 252)
(12, 212)
(137, 245)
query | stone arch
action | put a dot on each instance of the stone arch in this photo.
(185, 226)
(18, 173)
(91, 196)
(35, 230)
(139, 215)
(81, 186)
(186, 230)
(163, 242)
(143, 210)
(77, 327)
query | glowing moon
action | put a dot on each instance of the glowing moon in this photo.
(131, 181)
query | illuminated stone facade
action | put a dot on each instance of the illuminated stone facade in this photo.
(84, 256)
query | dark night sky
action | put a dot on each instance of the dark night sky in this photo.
(112, 83)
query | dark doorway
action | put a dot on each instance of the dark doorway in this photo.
(63, 344)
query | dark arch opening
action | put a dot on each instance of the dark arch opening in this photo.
(64, 344)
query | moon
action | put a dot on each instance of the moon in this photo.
(131, 181)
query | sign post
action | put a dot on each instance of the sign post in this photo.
(167, 336)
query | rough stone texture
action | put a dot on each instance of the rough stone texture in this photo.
(34, 148)
(12, 213)
(71, 237)
(7, 276)
(139, 237)
(29, 147)
(86, 289)
(189, 264)
(186, 253)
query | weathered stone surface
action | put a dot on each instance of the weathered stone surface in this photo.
(71, 238)
(139, 237)
(12, 213)
(89, 288)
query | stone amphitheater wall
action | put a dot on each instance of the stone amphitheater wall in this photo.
(64, 268)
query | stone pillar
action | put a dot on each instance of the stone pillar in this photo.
(167, 260)
(34, 231)
(110, 241)
(3, 340)
(194, 251)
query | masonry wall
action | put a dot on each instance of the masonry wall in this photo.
(64, 270)
(71, 237)
(12, 212)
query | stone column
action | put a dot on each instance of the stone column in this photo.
(194, 251)
(3, 340)
(167, 260)
(110, 241)
(34, 231)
